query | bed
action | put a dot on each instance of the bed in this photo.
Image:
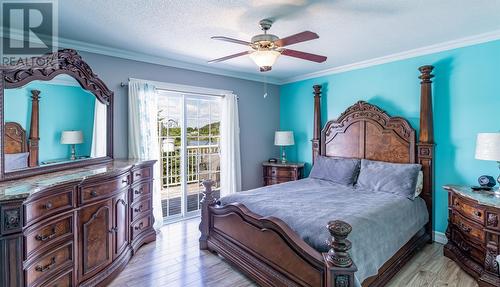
(268, 248)
(20, 151)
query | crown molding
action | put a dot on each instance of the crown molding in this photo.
(436, 48)
(126, 54)
(141, 57)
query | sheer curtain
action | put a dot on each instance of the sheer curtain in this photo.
(230, 178)
(98, 148)
(143, 134)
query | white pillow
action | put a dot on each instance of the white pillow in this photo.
(420, 184)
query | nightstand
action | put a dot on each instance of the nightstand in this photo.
(474, 233)
(275, 173)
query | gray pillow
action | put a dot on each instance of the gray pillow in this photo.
(339, 170)
(396, 178)
(15, 161)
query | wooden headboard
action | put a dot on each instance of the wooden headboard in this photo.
(366, 131)
(15, 139)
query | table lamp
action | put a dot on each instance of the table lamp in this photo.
(72, 138)
(488, 147)
(283, 139)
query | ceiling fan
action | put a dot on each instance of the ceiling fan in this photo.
(266, 48)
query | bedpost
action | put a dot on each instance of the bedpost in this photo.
(207, 201)
(34, 129)
(339, 266)
(316, 141)
(425, 150)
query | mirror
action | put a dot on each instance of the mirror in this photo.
(52, 122)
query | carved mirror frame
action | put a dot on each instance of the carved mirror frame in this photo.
(65, 61)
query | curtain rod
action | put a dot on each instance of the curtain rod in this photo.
(122, 84)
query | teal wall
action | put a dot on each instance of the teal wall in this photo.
(466, 95)
(61, 108)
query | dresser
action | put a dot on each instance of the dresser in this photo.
(77, 227)
(474, 233)
(274, 173)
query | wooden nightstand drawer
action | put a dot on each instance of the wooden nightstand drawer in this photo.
(281, 172)
(466, 246)
(468, 209)
(471, 230)
(275, 173)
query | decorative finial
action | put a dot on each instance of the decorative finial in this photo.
(339, 245)
(317, 90)
(426, 75)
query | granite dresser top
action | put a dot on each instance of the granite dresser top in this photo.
(490, 198)
(25, 187)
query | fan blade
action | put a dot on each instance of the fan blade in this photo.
(229, 57)
(227, 39)
(304, 55)
(297, 38)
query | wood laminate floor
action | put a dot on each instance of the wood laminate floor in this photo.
(175, 260)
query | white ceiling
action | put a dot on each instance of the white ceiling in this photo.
(350, 30)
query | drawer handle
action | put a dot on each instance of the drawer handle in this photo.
(457, 204)
(48, 205)
(139, 227)
(125, 180)
(464, 228)
(46, 267)
(44, 238)
(138, 209)
(138, 191)
(93, 193)
(138, 174)
(477, 213)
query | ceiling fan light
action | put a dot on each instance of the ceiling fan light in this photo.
(264, 58)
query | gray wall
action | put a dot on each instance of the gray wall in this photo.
(259, 117)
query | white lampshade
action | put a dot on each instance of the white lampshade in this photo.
(488, 146)
(71, 137)
(265, 58)
(283, 138)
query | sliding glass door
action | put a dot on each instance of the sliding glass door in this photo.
(189, 142)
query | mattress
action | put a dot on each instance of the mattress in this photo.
(381, 222)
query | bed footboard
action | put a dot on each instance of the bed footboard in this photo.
(269, 251)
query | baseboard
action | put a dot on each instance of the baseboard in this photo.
(440, 237)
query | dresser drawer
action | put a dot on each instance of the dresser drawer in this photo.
(469, 248)
(281, 172)
(52, 231)
(44, 207)
(140, 174)
(141, 208)
(103, 189)
(141, 226)
(468, 210)
(140, 190)
(63, 279)
(471, 230)
(49, 264)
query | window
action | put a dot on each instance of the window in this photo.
(189, 145)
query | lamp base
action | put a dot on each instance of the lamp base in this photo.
(283, 155)
(73, 152)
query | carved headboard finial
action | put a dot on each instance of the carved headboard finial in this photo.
(317, 122)
(426, 75)
(317, 90)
